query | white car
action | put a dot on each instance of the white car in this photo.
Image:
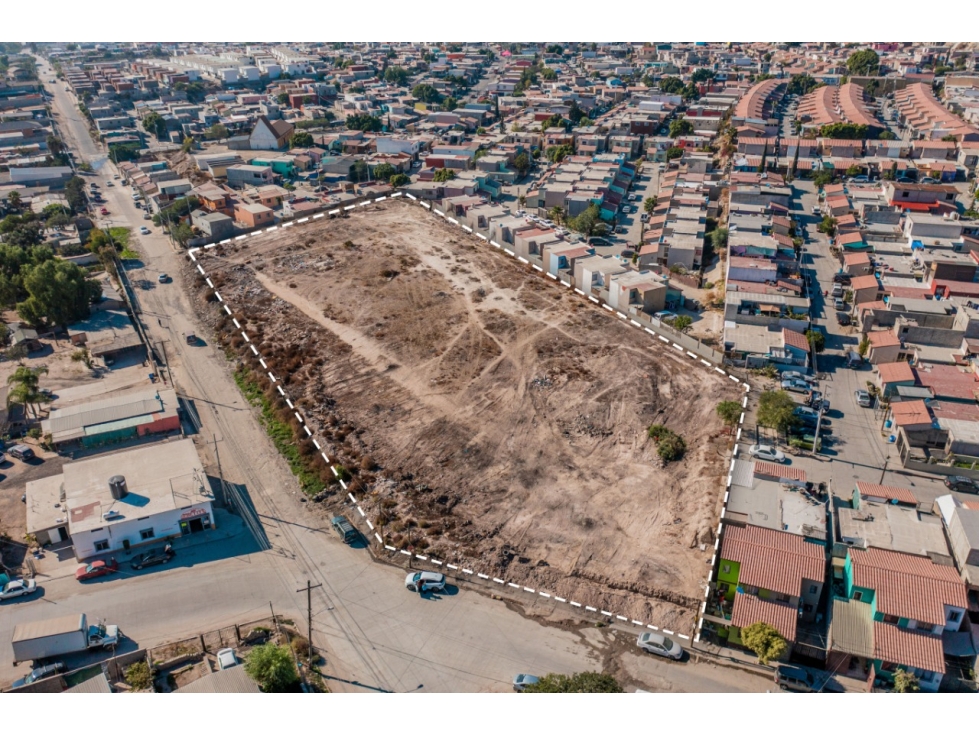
(226, 658)
(659, 645)
(422, 581)
(144, 230)
(522, 680)
(766, 453)
(19, 587)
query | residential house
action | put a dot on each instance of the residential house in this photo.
(270, 135)
(253, 215)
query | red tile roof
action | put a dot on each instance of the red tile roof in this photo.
(884, 339)
(795, 339)
(908, 586)
(914, 649)
(856, 258)
(948, 381)
(749, 609)
(864, 281)
(778, 471)
(771, 559)
(883, 491)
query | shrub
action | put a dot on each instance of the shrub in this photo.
(669, 445)
(139, 676)
(272, 667)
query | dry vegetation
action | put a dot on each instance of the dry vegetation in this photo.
(485, 415)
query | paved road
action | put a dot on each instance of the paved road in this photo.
(375, 634)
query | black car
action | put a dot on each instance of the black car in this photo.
(153, 557)
(962, 484)
(37, 674)
(841, 278)
(843, 319)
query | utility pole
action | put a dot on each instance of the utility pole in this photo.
(309, 621)
(884, 471)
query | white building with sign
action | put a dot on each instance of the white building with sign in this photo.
(118, 501)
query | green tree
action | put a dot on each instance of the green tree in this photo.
(822, 178)
(549, 75)
(272, 667)
(718, 239)
(139, 676)
(589, 682)
(649, 204)
(449, 104)
(301, 139)
(25, 390)
(817, 340)
(844, 131)
(13, 198)
(217, 131)
(854, 170)
(364, 122)
(396, 75)
(75, 194)
(886, 135)
(864, 346)
(776, 410)
(155, 124)
(399, 179)
(801, 84)
(587, 222)
(384, 171)
(701, 75)
(905, 682)
(557, 153)
(282, 98)
(522, 163)
(673, 153)
(58, 294)
(765, 641)
(682, 323)
(729, 411)
(182, 232)
(863, 63)
(827, 226)
(426, 93)
(444, 174)
(187, 145)
(680, 127)
(671, 85)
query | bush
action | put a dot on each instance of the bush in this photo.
(589, 682)
(139, 676)
(669, 445)
(272, 667)
(764, 640)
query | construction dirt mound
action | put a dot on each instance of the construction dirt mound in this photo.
(486, 415)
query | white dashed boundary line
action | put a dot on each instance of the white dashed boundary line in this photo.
(192, 253)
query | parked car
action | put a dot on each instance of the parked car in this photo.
(837, 291)
(109, 183)
(45, 671)
(422, 581)
(792, 678)
(840, 304)
(344, 529)
(522, 680)
(664, 315)
(659, 645)
(843, 319)
(103, 211)
(226, 658)
(864, 400)
(153, 557)
(144, 230)
(18, 587)
(644, 218)
(95, 569)
(796, 386)
(164, 278)
(21, 452)
(795, 375)
(841, 278)
(962, 484)
(766, 453)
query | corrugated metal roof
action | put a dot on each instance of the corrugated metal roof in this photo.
(853, 628)
(743, 473)
(105, 411)
(96, 684)
(232, 680)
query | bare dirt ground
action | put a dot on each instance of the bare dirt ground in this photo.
(488, 415)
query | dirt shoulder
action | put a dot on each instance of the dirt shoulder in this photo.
(486, 415)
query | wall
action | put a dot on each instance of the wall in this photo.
(164, 524)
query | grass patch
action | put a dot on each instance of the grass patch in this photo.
(280, 433)
(120, 235)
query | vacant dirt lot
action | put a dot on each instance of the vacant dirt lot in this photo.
(488, 414)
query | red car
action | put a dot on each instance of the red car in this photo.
(95, 569)
(103, 211)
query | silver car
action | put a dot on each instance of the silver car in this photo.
(522, 680)
(766, 452)
(18, 587)
(659, 645)
(863, 398)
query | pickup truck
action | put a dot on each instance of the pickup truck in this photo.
(42, 639)
(344, 529)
